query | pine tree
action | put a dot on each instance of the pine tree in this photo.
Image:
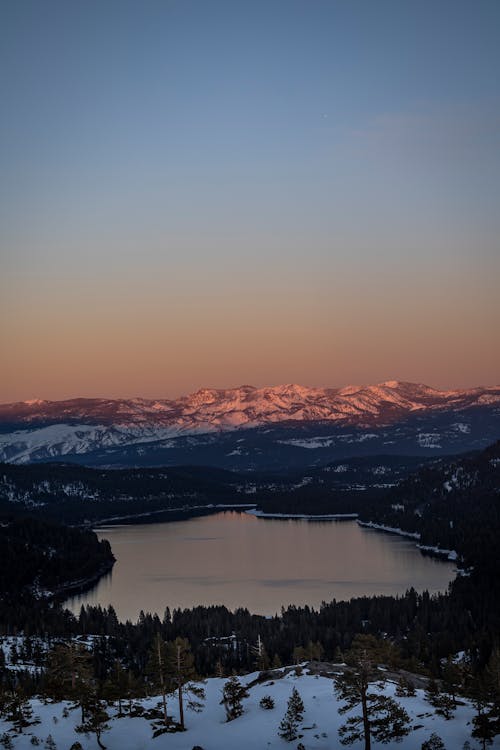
(18, 711)
(432, 691)
(381, 716)
(116, 686)
(266, 702)
(95, 721)
(132, 689)
(314, 651)
(484, 729)
(69, 674)
(453, 675)
(405, 688)
(485, 691)
(299, 655)
(289, 725)
(157, 671)
(50, 743)
(296, 705)
(233, 694)
(180, 670)
(433, 743)
(288, 728)
(261, 657)
(444, 705)
(276, 664)
(443, 702)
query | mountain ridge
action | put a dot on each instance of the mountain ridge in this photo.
(334, 403)
(40, 430)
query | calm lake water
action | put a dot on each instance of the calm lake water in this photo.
(239, 560)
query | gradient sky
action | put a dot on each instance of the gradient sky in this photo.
(207, 193)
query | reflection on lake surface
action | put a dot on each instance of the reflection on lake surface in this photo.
(239, 560)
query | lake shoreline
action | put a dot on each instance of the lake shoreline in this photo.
(286, 562)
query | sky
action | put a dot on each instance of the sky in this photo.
(209, 193)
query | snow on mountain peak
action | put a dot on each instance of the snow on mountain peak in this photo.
(84, 425)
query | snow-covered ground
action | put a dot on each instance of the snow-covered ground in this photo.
(257, 728)
(389, 529)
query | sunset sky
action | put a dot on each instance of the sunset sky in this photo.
(208, 193)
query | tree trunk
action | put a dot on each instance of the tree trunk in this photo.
(179, 677)
(366, 723)
(162, 683)
(181, 707)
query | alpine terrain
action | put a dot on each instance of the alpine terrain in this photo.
(249, 428)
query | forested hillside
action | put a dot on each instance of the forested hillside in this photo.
(453, 504)
(37, 557)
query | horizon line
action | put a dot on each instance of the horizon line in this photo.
(387, 383)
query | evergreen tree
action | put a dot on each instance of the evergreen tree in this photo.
(484, 729)
(50, 743)
(157, 671)
(485, 691)
(433, 743)
(69, 674)
(432, 691)
(18, 711)
(453, 675)
(299, 655)
(95, 721)
(276, 664)
(314, 651)
(289, 727)
(444, 705)
(381, 717)
(180, 669)
(116, 686)
(405, 688)
(266, 702)
(296, 705)
(233, 694)
(261, 657)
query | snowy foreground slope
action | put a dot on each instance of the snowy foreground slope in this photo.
(257, 728)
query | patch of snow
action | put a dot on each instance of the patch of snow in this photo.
(389, 529)
(256, 728)
(428, 440)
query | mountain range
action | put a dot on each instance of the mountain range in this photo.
(248, 427)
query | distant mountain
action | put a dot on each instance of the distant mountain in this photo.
(217, 425)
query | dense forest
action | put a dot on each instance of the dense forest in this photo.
(38, 557)
(79, 495)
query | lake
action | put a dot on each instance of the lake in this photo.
(239, 560)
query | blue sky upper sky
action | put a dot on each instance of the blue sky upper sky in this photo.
(208, 193)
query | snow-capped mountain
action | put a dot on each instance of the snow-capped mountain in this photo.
(41, 430)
